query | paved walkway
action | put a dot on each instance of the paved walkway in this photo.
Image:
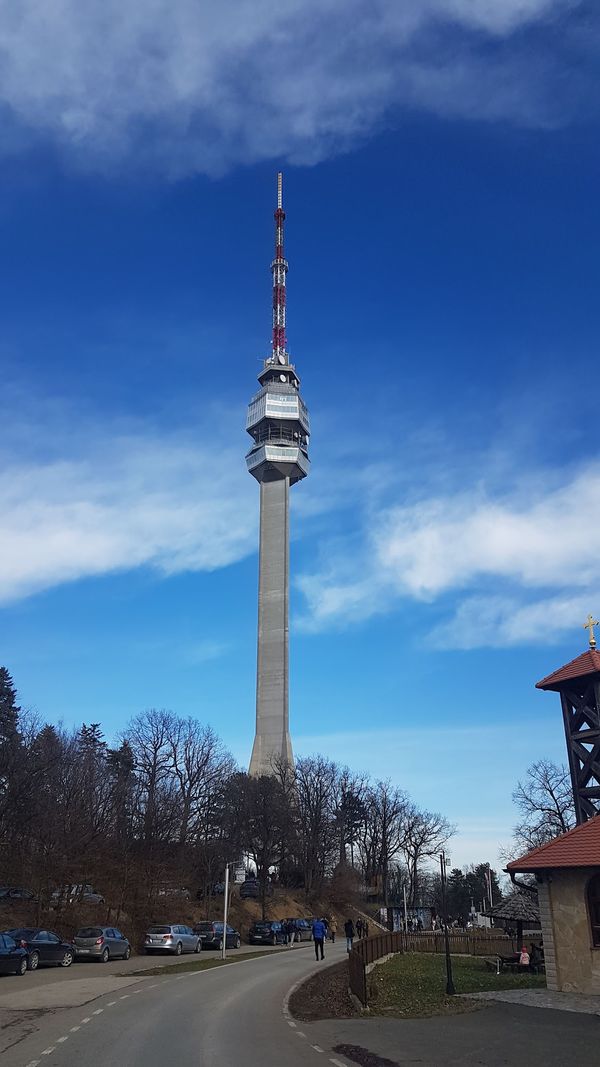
(542, 998)
(499, 1035)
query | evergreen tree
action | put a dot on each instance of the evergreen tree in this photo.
(9, 709)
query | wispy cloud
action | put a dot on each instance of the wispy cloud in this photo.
(192, 87)
(512, 562)
(119, 501)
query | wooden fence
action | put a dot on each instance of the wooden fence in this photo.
(469, 943)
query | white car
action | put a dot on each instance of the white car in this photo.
(85, 893)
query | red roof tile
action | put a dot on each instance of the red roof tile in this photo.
(587, 663)
(579, 847)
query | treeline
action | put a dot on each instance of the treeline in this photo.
(167, 807)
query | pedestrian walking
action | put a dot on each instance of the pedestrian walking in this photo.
(332, 928)
(349, 932)
(319, 932)
(359, 928)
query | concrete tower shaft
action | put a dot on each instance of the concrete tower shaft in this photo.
(279, 426)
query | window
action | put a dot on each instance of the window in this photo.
(593, 898)
(42, 935)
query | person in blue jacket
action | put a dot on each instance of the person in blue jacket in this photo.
(319, 930)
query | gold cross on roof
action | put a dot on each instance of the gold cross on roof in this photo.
(589, 625)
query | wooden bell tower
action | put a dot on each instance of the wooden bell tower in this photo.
(578, 683)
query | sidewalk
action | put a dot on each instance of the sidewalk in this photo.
(499, 1035)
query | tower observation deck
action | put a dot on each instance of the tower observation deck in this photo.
(279, 426)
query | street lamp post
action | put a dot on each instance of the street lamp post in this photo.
(225, 907)
(450, 990)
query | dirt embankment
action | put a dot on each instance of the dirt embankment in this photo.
(324, 996)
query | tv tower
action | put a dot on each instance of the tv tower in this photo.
(278, 424)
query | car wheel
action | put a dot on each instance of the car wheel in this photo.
(127, 953)
(22, 965)
(198, 946)
(67, 959)
(105, 956)
(179, 949)
(238, 942)
(33, 961)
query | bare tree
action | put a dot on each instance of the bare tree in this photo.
(424, 835)
(545, 802)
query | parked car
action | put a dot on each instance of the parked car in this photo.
(84, 893)
(43, 946)
(101, 943)
(172, 891)
(8, 893)
(171, 937)
(13, 957)
(266, 933)
(211, 935)
(302, 929)
(250, 889)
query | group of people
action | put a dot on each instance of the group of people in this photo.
(324, 928)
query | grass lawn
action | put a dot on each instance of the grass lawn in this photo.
(414, 984)
(196, 965)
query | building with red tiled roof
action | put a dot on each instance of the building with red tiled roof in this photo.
(567, 873)
(579, 847)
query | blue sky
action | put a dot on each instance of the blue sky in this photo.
(441, 175)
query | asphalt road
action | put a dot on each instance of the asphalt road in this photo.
(214, 1018)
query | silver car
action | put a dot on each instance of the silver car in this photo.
(172, 937)
(101, 943)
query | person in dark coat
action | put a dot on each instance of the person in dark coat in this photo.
(349, 932)
(359, 928)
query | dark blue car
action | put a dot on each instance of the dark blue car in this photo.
(13, 958)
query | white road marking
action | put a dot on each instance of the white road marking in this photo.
(137, 991)
(290, 1023)
(299, 1033)
(111, 1003)
(124, 997)
(338, 1063)
(48, 1051)
(74, 1029)
(86, 1020)
(33, 1063)
(98, 1011)
(318, 1048)
(153, 986)
(62, 1040)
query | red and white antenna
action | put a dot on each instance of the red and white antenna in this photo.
(279, 269)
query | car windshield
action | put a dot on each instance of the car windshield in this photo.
(205, 926)
(90, 931)
(22, 933)
(159, 930)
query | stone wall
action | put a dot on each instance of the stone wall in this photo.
(572, 964)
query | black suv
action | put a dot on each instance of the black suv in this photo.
(267, 933)
(211, 935)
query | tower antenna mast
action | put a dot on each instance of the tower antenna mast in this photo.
(279, 269)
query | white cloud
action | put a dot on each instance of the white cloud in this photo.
(119, 502)
(524, 563)
(199, 87)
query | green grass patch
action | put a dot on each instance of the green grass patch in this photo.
(413, 984)
(195, 965)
